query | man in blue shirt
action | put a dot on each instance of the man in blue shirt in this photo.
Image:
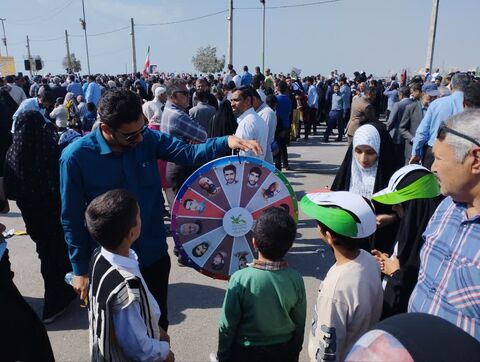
(246, 77)
(93, 92)
(439, 111)
(44, 101)
(122, 153)
(284, 121)
(74, 86)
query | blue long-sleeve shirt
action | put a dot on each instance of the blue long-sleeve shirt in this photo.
(392, 98)
(89, 168)
(246, 79)
(284, 108)
(30, 104)
(93, 93)
(438, 112)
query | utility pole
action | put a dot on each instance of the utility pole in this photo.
(263, 39)
(4, 39)
(29, 56)
(433, 31)
(230, 32)
(69, 60)
(134, 55)
(84, 26)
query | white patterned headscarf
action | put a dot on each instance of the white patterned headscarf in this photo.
(362, 180)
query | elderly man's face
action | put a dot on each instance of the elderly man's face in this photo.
(456, 178)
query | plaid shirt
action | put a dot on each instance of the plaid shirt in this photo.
(270, 265)
(177, 123)
(449, 280)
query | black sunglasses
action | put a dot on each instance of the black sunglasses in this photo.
(130, 137)
(444, 129)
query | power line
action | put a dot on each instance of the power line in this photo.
(184, 20)
(51, 14)
(290, 6)
(102, 33)
(49, 39)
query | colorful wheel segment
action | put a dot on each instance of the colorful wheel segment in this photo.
(216, 208)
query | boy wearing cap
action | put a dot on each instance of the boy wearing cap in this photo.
(350, 297)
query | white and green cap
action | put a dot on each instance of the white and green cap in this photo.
(424, 186)
(344, 212)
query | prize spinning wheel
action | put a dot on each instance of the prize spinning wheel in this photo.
(216, 208)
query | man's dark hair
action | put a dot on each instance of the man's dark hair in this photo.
(245, 91)
(471, 95)
(282, 86)
(245, 68)
(416, 87)
(118, 107)
(91, 107)
(110, 217)
(91, 78)
(10, 78)
(274, 233)
(230, 168)
(256, 81)
(202, 96)
(257, 95)
(271, 100)
(47, 96)
(404, 91)
(256, 169)
(71, 77)
(230, 66)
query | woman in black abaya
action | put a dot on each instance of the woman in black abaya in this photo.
(415, 194)
(367, 167)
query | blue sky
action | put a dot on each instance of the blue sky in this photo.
(378, 36)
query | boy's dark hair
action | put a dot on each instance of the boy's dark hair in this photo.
(109, 217)
(118, 107)
(230, 167)
(340, 240)
(274, 233)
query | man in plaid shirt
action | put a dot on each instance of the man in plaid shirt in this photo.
(449, 280)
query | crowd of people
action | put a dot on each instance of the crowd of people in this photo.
(94, 163)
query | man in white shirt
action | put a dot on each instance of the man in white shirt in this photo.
(270, 118)
(16, 92)
(250, 125)
(236, 78)
(153, 109)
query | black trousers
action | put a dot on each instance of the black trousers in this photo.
(24, 337)
(282, 138)
(156, 276)
(284, 352)
(428, 157)
(177, 175)
(42, 220)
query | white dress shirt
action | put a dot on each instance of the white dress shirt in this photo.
(252, 127)
(270, 118)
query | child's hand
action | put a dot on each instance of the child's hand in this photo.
(170, 357)
(164, 336)
(390, 265)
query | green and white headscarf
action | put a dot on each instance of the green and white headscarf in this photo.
(344, 212)
(424, 187)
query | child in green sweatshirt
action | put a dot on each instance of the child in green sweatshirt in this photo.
(263, 314)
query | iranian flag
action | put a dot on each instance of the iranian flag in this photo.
(147, 63)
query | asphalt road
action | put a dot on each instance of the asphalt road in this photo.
(194, 299)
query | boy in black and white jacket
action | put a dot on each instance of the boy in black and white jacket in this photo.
(123, 314)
